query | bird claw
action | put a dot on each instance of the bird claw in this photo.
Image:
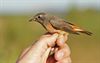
(60, 32)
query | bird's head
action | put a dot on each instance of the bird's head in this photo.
(40, 17)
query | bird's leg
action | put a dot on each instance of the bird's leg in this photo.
(60, 32)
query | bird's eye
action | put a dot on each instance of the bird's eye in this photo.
(39, 16)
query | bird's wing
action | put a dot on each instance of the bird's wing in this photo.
(61, 24)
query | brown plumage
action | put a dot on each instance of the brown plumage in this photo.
(52, 24)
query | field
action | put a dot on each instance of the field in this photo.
(16, 33)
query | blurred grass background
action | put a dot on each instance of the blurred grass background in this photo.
(16, 33)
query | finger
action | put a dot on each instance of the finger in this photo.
(66, 36)
(44, 42)
(60, 41)
(45, 55)
(52, 39)
(41, 45)
(48, 40)
(62, 53)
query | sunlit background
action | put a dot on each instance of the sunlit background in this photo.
(16, 33)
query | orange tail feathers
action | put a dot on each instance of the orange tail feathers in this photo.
(86, 32)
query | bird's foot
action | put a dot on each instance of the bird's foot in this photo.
(60, 32)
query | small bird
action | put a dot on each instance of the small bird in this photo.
(55, 24)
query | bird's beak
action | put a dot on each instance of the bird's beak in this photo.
(32, 19)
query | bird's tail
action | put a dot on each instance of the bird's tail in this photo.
(83, 31)
(86, 32)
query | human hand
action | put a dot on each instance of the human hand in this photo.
(39, 52)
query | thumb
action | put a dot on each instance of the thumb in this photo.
(45, 55)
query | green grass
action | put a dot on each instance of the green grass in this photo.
(16, 33)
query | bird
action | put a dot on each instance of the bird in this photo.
(54, 24)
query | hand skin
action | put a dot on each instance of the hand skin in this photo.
(39, 52)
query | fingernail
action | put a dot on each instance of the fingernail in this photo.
(62, 38)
